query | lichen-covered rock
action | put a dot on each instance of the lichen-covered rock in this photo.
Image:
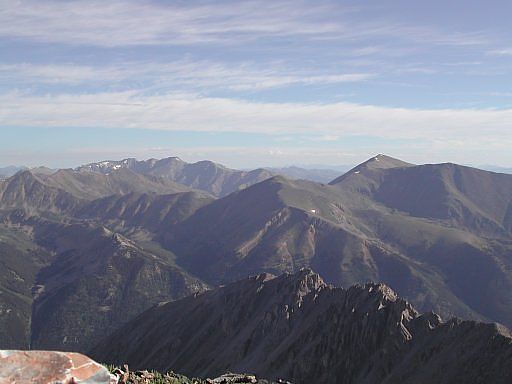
(45, 367)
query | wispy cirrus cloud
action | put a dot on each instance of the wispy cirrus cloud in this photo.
(201, 66)
(60, 73)
(190, 112)
(185, 74)
(501, 52)
(132, 22)
(118, 23)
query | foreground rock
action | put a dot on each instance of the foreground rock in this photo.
(298, 328)
(51, 367)
(41, 367)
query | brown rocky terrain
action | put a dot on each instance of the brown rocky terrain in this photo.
(301, 329)
(50, 367)
(44, 367)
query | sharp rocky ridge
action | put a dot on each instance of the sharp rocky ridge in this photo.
(297, 327)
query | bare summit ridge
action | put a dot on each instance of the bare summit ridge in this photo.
(297, 327)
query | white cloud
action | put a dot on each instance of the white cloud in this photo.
(175, 75)
(275, 81)
(326, 138)
(187, 112)
(115, 23)
(59, 73)
(501, 52)
(132, 22)
(289, 43)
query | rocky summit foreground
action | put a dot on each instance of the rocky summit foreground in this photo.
(52, 367)
(300, 329)
(42, 367)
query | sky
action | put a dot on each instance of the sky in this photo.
(255, 83)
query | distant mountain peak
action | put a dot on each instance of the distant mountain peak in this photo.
(381, 161)
(168, 159)
(203, 175)
(378, 162)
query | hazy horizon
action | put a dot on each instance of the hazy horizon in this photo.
(311, 166)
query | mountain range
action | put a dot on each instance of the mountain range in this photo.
(440, 238)
(84, 251)
(203, 175)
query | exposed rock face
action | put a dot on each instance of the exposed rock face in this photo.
(45, 367)
(299, 328)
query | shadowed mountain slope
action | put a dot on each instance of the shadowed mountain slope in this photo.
(91, 185)
(350, 236)
(20, 260)
(66, 190)
(464, 197)
(96, 281)
(151, 211)
(66, 280)
(29, 192)
(298, 328)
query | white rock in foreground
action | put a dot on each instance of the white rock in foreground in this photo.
(44, 367)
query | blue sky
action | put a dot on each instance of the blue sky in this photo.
(255, 83)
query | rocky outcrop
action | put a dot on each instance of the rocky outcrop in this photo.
(53, 367)
(42, 367)
(301, 329)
